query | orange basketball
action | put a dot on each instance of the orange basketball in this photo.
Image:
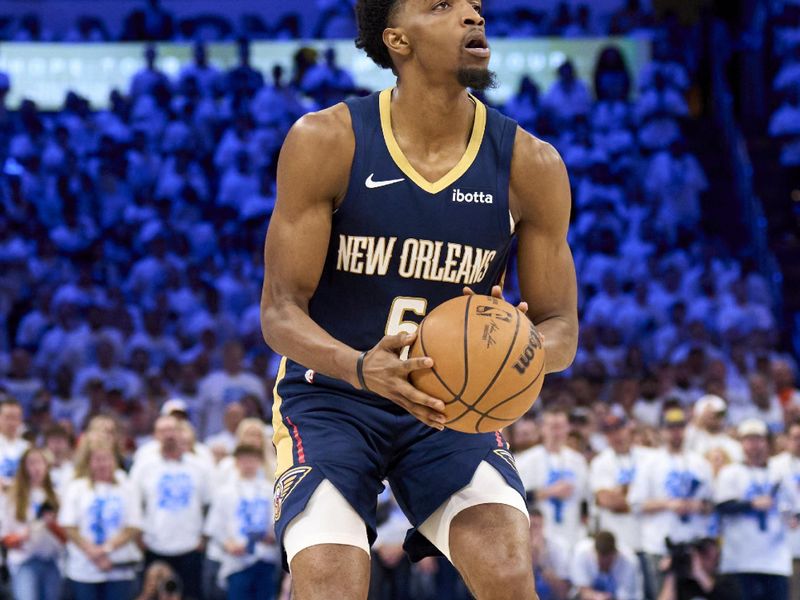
(488, 362)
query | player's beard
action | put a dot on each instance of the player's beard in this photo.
(477, 79)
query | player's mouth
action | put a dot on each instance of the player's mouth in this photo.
(477, 45)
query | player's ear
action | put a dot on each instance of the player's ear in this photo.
(396, 40)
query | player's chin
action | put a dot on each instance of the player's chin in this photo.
(476, 77)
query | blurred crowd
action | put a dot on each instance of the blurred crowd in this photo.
(784, 124)
(332, 19)
(134, 445)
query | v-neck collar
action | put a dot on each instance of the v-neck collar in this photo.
(478, 130)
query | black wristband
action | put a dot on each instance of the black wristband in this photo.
(360, 370)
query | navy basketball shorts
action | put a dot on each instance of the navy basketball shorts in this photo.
(326, 430)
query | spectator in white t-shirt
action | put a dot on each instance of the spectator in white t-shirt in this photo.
(101, 517)
(707, 431)
(250, 432)
(173, 485)
(754, 503)
(220, 388)
(12, 445)
(602, 571)
(610, 476)
(786, 467)
(29, 530)
(672, 493)
(555, 476)
(240, 521)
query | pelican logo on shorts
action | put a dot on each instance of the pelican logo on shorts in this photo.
(285, 485)
(534, 343)
(472, 197)
(310, 376)
(506, 456)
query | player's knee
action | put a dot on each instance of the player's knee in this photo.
(328, 571)
(509, 572)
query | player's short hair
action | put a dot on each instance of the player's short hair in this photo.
(373, 17)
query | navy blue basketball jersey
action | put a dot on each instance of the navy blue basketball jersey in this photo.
(401, 245)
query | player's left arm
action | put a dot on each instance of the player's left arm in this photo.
(540, 202)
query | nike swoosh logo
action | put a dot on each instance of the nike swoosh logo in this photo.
(372, 184)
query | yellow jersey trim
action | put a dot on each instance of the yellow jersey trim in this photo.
(478, 131)
(281, 439)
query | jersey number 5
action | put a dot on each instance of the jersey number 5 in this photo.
(396, 324)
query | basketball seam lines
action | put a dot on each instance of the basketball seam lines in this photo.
(522, 391)
(433, 368)
(457, 397)
(491, 383)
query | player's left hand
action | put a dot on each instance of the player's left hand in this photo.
(497, 292)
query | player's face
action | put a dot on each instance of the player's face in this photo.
(447, 35)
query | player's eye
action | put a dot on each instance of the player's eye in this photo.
(440, 5)
(478, 8)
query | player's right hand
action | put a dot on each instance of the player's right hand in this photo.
(387, 375)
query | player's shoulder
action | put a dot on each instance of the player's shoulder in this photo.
(330, 126)
(531, 152)
(539, 186)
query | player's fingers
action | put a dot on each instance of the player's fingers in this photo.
(497, 292)
(397, 342)
(417, 397)
(415, 364)
(426, 415)
(468, 291)
(522, 307)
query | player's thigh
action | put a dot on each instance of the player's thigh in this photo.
(490, 547)
(327, 548)
(483, 529)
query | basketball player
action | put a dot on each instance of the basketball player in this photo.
(388, 206)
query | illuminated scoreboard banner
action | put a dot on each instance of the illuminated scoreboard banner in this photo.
(44, 73)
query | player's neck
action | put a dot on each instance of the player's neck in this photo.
(432, 115)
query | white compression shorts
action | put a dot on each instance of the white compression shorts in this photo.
(329, 519)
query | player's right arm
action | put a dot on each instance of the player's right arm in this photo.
(313, 175)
